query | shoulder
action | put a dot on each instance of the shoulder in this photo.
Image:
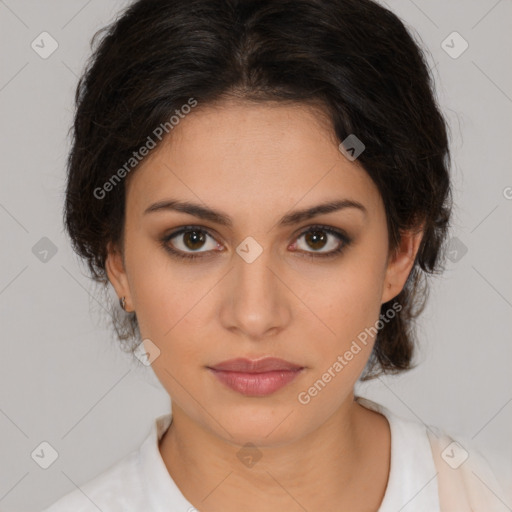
(139, 481)
(466, 475)
(118, 488)
(459, 475)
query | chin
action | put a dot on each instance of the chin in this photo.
(257, 423)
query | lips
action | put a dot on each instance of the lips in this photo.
(255, 378)
(267, 364)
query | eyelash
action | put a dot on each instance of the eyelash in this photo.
(191, 256)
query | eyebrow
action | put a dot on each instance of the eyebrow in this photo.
(222, 219)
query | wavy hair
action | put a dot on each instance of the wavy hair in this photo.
(353, 57)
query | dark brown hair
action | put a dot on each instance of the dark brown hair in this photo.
(353, 57)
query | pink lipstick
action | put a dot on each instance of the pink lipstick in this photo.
(256, 377)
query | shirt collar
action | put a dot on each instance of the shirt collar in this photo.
(411, 478)
(162, 492)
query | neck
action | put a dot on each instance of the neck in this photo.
(327, 465)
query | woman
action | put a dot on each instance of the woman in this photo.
(265, 185)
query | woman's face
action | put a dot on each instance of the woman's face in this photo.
(260, 283)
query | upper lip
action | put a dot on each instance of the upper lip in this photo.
(266, 364)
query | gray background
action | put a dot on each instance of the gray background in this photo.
(63, 378)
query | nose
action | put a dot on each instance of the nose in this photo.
(256, 302)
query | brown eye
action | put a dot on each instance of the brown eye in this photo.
(187, 241)
(320, 241)
(316, 239)
(193, 239)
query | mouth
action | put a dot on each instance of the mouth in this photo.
(260, 377)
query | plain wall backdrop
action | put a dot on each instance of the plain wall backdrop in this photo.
(63, 378)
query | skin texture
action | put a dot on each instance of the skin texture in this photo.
(256, 163)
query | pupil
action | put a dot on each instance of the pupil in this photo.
(195, 237)
(314, 237)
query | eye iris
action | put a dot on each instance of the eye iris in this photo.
(313, 238)
(196, 239)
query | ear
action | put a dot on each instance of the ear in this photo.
(400, 263)
(116, 272)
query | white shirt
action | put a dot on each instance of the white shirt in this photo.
(140, 481)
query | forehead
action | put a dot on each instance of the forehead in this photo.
(251, 157)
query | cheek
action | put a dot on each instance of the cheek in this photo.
(346, 300)
(356, 307)
(164, 292)
(350, 311)
(349, 305)
(167, 309)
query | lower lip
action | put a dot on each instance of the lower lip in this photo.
(256, 384)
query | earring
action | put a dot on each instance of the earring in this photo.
(122, 303)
